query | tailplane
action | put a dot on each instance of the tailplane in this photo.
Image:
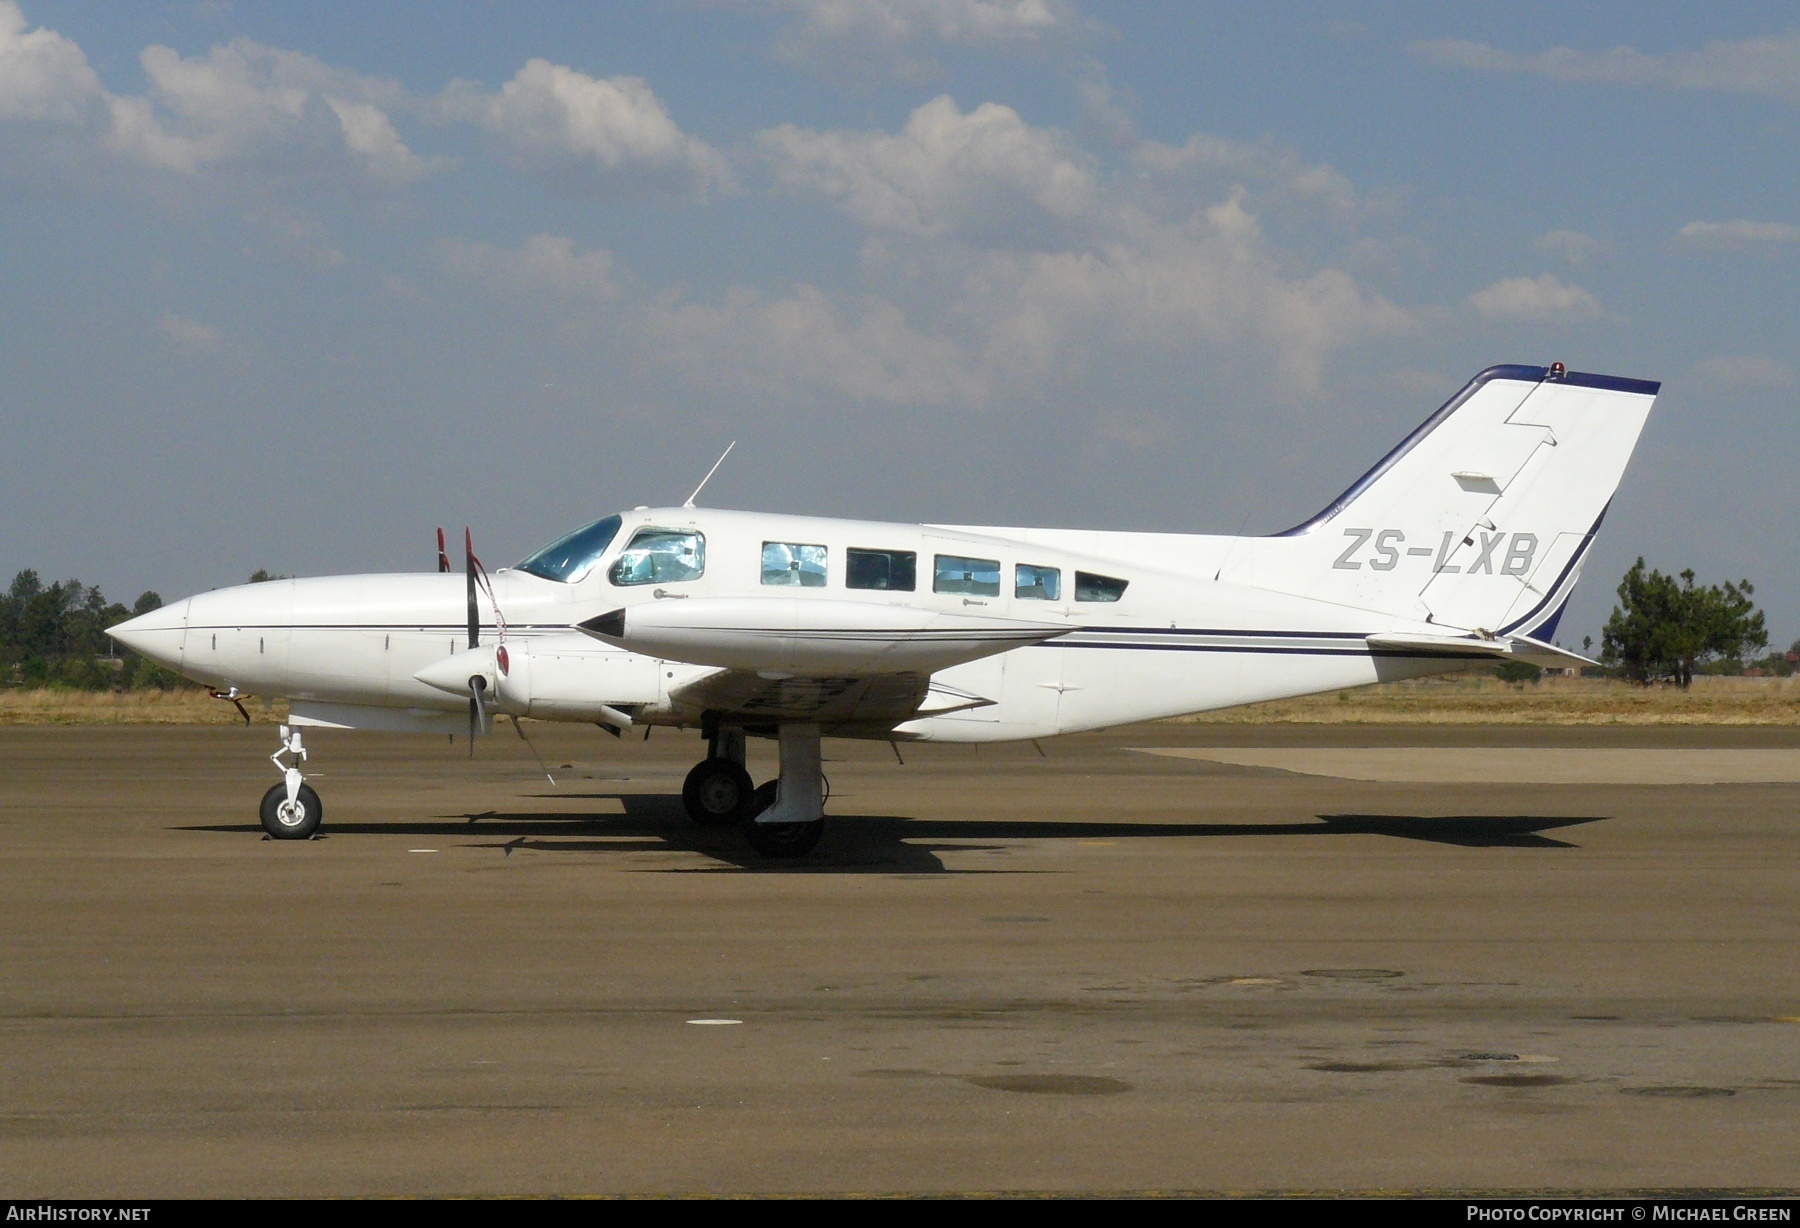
(1481, 518)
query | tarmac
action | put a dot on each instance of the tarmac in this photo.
(1282, 958)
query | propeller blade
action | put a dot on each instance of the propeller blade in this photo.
(479, 719)
(443, 556)
(474, 614)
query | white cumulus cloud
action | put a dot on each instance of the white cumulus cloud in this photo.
(297, 235)
(370, 134)
(616, 129)
(895, 38)
(1209, 281)
(1267, 166)
(1746, 371)
(1544, 299)
(1738, 234)
(808, 342)
(546, 267)
(1036, 256)
(946, 172)
(1572, 245)
(1754, 65)
(43, 76)
(240, 101)
(243, 100)
(188, 334)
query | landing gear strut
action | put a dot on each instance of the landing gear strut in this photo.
(291, 810)
(783, 818)
(788, 814)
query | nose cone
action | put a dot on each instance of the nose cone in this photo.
(157, 635)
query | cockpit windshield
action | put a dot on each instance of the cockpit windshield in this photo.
(569, 559)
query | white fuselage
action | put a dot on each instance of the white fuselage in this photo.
(348, 650)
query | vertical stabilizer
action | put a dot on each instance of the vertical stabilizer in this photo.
(1480, 519)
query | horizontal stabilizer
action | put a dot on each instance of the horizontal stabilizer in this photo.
(1501, 648)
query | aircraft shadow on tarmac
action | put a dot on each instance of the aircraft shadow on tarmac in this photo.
(896, 844)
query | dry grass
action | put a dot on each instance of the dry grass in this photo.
(1435, 701)
(1551, 701)
(180, 707)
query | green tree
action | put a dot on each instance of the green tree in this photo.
(1661, 630)
(55, 635)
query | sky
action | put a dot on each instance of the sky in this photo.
(290, 285)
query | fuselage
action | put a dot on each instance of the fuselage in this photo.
(1128, 626)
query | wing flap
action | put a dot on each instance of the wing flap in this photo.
(752, 697)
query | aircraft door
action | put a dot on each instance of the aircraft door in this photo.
(1034, 687)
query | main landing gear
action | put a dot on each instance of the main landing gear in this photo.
(783, 818)
(291, 810)
(717, 792)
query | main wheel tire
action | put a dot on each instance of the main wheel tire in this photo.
(717, 793)
(780, 839)
(291, 822)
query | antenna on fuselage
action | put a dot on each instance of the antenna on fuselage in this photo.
(709, 473)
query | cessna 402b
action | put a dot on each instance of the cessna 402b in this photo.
(1459, 548)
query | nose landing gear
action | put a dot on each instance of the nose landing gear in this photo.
(290, 810)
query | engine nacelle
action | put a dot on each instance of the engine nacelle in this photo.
(556, 677)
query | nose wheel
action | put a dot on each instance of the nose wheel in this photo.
(290, 810)
(291, 820)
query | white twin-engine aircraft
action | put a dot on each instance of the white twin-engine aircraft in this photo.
(1459, 548)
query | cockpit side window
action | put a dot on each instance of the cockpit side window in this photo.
(569, 559)
(660, 556)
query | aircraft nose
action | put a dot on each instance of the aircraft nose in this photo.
(157, 635)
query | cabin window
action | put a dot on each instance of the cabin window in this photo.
(660, 556)
(1089, 587)
(793, 564)
(893, 571)
(976, 577)
(1034, 583)
(569, 559)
